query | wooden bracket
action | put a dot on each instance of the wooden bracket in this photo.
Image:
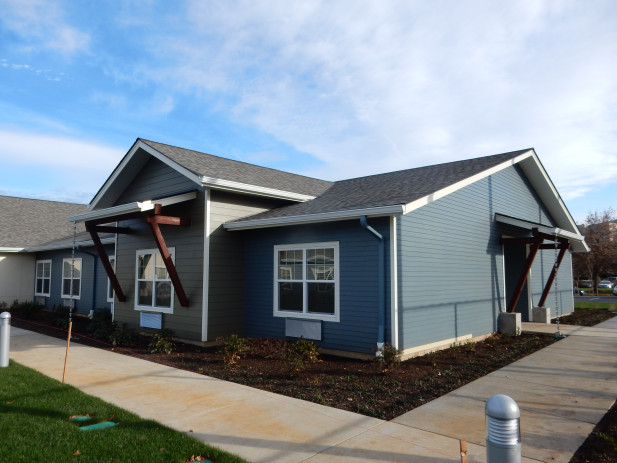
(113, 279)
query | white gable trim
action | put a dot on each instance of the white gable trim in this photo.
(312, 218)
(418, 203)
(237, 187)
(137, 206)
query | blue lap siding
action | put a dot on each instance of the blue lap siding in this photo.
(358, 278)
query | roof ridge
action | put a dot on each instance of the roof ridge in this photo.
(41, 199)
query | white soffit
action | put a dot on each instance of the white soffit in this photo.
(138, 206)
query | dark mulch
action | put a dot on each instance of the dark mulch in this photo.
(354, 385)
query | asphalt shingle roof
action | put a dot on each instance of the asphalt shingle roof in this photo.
(393, 188)
(208, 165)
(28, 222)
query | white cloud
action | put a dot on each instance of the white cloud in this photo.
(42, 23)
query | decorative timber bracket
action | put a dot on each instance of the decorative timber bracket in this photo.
(536, 242)
(154, 219)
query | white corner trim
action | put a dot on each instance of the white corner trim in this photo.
(11, 249)
(394, 282)
(418, 203)
(206, 269)
(312, 218)
(237, 187)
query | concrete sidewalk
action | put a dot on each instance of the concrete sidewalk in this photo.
(562, 390)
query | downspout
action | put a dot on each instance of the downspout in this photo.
(95, 256)
(381, 332)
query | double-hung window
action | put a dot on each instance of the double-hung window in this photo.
(71, 278)
(306, 281)
(43, 278)
(153, 289)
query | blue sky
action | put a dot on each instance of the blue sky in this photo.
(332, 89)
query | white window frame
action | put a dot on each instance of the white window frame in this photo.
(75, 262)
(110, 289)
(336, 281)
(152, 308)
(38, 277)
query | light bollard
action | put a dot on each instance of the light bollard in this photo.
(5, 338)
(503, 431)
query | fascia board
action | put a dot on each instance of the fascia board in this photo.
(418, 203)
(139, 144)
(137, 206)
(236, 187)
(67, 245)
(313, 218)
(10, 249)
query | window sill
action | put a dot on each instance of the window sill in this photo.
(144, 308)
(308, 316)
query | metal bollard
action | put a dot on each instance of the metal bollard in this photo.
(5, 338)
(503, 430)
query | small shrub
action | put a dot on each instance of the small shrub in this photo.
(162, 342)
(62, 314)
(388, 356)
(123, 336)
(233, 346)
(299, 354)
(3, 306)
(25, 310)
(101, 326)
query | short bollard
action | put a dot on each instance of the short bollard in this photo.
(503, 431)
(5, 338)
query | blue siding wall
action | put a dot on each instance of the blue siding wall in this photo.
(93, 293)
(451, 269)
(358, 276)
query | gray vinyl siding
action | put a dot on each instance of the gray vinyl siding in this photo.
(226, 261)
(451, 280)
(157, 180)
(93, 294)
(357, 329)
(539, 274)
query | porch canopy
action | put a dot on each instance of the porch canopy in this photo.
(151, 211)
(557, 238)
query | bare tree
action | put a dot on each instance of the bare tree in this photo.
(600, 232)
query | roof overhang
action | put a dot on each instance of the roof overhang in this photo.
(314, 218)
(67, 244)
(138, 155)
(138, 206)
(577, 240)
(10, 249)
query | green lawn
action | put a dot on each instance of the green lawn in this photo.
(34, 419)
(612, 306)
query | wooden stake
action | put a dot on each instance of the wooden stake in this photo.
(464, 452)
(66, 357)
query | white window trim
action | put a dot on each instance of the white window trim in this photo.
(112, 261)
(337, 270)
(70, 260)
(36, 277)
(149, 308)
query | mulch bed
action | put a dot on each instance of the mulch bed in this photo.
(356, 385)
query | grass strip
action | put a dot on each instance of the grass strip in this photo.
(35, 413)
(612, 306)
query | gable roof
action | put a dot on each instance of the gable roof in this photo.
(208, 171)
(401, 192)
(28, 222)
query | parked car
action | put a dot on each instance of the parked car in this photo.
(612, 279)
(580, 292)
(615, 291)
(585, 284)
(605, 284)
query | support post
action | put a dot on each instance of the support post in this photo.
(5, 338)
(521, 281)
(113, 279)
(551, 278)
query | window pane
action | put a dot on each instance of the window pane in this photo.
(320, 264)
(290, 265)
(39, 285)
(290, 296)
(321, 298)
(47, 269)
(161, 270)
(66, 269)
(77, 269)
(39, 269)
(145, 293)
(46, 286)
(76, 287)
(145, 269)
(66, 287)
(163, 294)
